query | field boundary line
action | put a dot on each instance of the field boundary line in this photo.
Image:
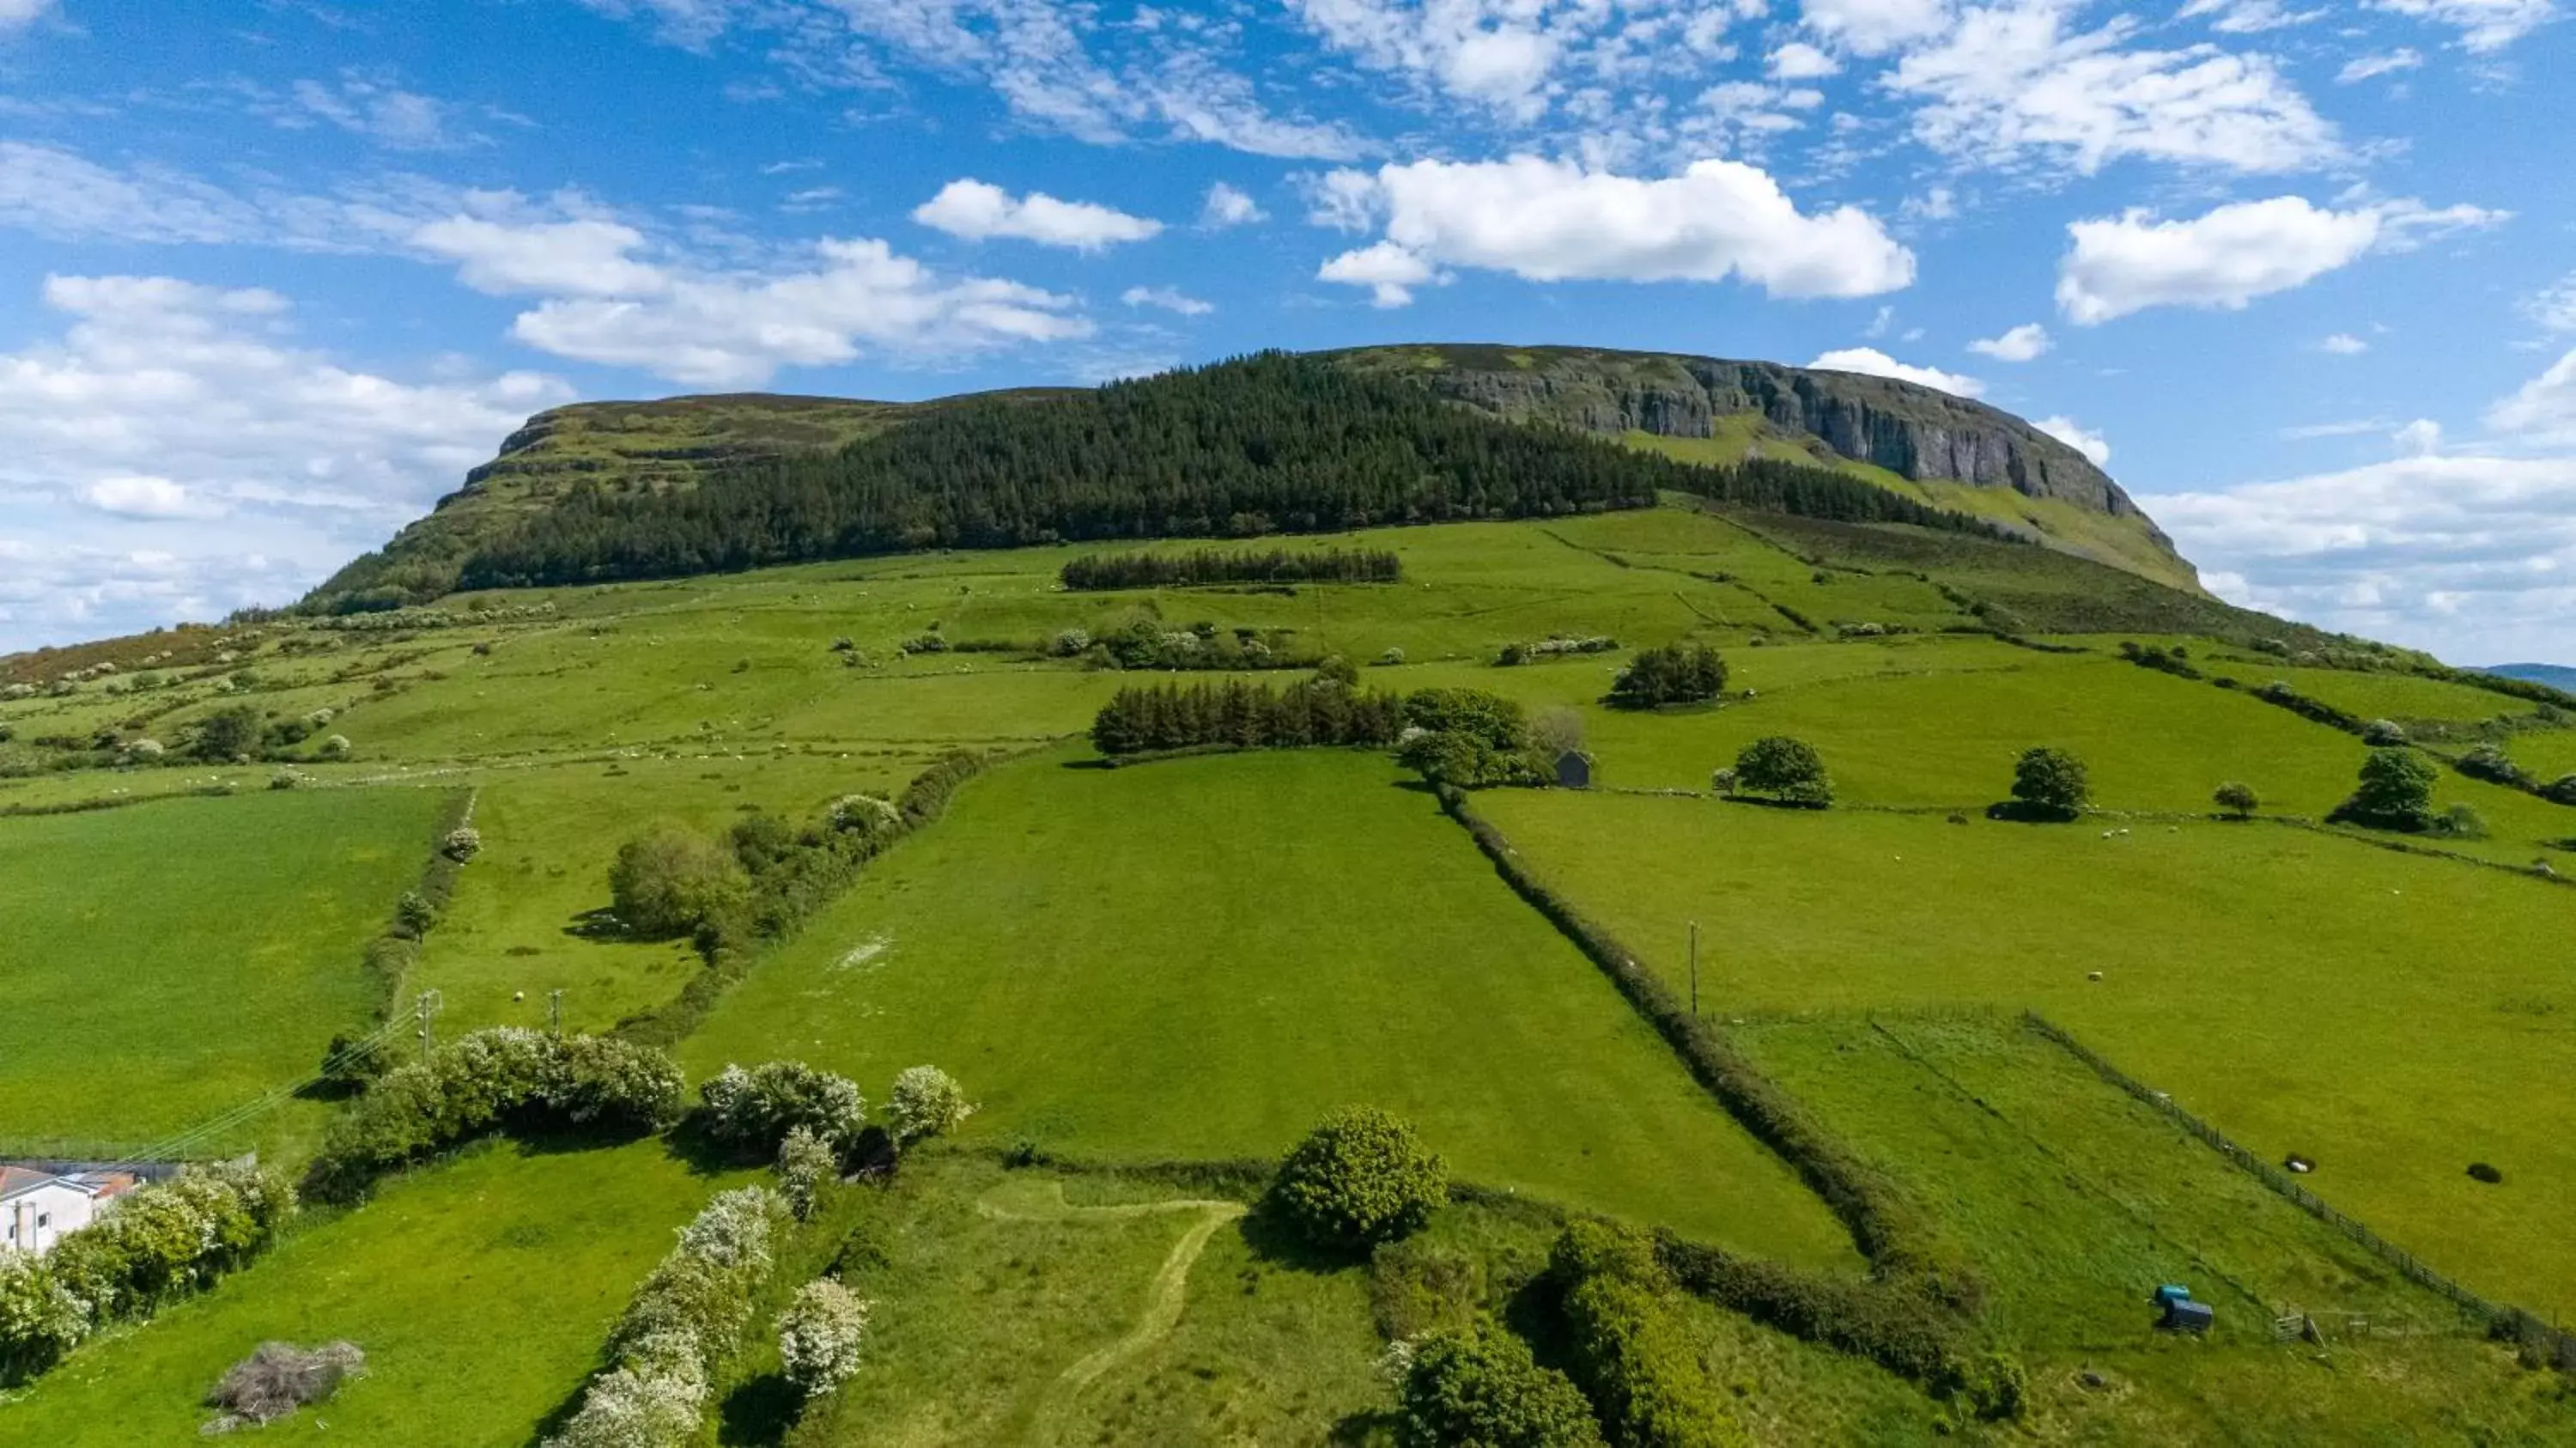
(2547, 1343)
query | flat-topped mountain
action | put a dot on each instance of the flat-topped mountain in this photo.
(622, 489)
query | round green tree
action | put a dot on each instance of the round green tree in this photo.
(2396, 791)
(1358, 1179)
(2237, 799)
(2052, 781)
(1787, 769)
(1482, 1387)
(669, 881)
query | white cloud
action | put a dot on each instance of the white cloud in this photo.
(2554, 307)
(2021, 344)
(1389, 271)
(374, 105)
(1170, 299)
(2248, 17)
(1874, 363)
(2484, 25)
(576, 258)
(199, 459)
(1798, 60)
(1874, 27)
(977, 211)
(2365, 67)
(141, 496)
(738, 329)
(2473, 557)
(1226, 206)
(2343, 344)
(2010, 81)
(2095, 447)
(1497, 55)
(2420, 438)
(2234, 253)
(19, 14)
(1558, 221)
(2544, 408)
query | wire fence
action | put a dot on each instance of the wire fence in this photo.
(2539, 1340)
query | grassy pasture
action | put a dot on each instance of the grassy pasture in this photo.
(2076, 1200)
(165, 962)
(1200, 958)
(516, 924)
(2375, 1011)
(481, 1291)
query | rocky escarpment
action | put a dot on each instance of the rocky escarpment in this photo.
(1917, 433)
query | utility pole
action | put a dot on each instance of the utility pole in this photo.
(1694, 967)
(426, 1010)
(554, 1010)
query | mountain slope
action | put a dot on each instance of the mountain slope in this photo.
(2556, 676)
(1939, 449)
(571, 471)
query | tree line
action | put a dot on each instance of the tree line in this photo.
(1273, 443)
(1211, 565)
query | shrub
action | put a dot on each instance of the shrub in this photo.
(278, 1378)
(414, 915)
(1491, 718)
(2462, 822)
(1482, 1387)
(1418, 1287)
(753, 1110)
(462, 843)
(926, 1102)
(1630, 1350)
(820, 1335)
(1459, 758)
(2383, 734)
(40, 1318)
(2395, 793)
(2493, 765)
(2237, 799)
(1358, 1179)
(170, 1238)
(2052, 781)
(227, 734)
(144, 751)
(1673, 674)
(352, 1062)
(1391, 658)
(866, 815)
(336, 747)
(1787, 769)
(669, 881)
(1556, 730)
(2561, 791)
(1070, 643)
(805, 1163)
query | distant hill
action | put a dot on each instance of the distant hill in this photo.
(2556, 676)
(573, 470)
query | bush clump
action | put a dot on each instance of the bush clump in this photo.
(753, 1110)
(462, 843)
(278, 1378)
(1787, 769)
(2237, 799)
(2395, 793)
(2051, 782)
(1672, 674)
(926, 1102)
(1358, 1179)
(1630, 1350)
(820, 1336)
(505, 1078)
(1482, 1387)
(2492, 764)
(670, 881)
(687, 1315)
(1467, 738)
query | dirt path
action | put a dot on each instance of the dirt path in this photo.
(1164, 1297)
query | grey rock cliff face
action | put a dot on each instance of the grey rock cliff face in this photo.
(1915, 432)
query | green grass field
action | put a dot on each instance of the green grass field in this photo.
(2231, 956)
(1201, 958)
(169, 961)
(480, 1290)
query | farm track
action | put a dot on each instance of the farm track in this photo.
(1164, 1297)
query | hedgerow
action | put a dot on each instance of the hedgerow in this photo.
(754, 1110)
(1208, 565)
(1628, 1348)
(507, 1078)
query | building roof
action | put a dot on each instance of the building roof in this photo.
(19, 1181)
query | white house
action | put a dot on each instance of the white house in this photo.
(37, 1207)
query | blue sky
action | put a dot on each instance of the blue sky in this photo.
(274, 273)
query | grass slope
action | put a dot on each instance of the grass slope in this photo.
(1200, 958)
(168, 961)
(480, 1290)
(2303, 992)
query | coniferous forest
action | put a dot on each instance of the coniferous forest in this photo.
(1273, 443)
